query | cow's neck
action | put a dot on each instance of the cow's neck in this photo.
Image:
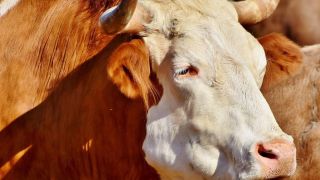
(42, 41)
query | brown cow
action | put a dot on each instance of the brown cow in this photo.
(49, 41)
(75, 142)
(297, 19)
(292, 88)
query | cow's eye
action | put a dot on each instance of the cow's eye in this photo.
(186, 72)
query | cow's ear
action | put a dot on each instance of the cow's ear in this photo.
(284, 59)
(129, 69)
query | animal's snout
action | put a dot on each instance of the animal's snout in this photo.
(276, 158)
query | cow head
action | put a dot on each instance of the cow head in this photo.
(212, 120)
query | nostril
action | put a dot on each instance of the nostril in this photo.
(275, 158)
(267, 153)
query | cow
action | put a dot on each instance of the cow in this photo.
(291, 87)
(210, 69)
(298, 20)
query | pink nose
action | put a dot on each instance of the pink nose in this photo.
(276, 158)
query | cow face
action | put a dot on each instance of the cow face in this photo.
(212, 120)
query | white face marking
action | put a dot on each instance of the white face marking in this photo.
(204, 126)
(6, 5)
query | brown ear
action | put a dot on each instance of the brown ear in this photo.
(284, 59)
(129, 69)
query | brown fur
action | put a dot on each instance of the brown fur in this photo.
(86, 128)
(131, 84)
(41, 42)
(297, 19)
(292, 89)
(284, 59)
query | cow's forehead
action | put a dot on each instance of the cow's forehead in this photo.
(200, 28)
(190, 7)
(188, 15)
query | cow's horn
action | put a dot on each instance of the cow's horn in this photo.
(254, 11)
(124, 17)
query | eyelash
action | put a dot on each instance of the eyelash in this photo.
(186, 72)
(182, 72)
